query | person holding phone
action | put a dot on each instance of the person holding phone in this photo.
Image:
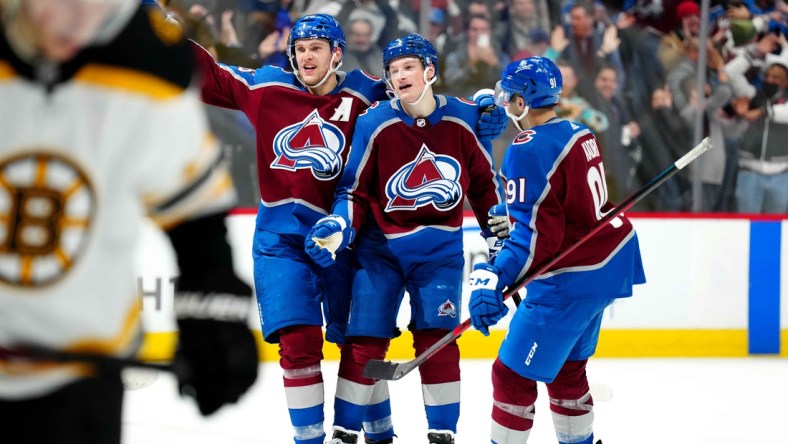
(476, 63)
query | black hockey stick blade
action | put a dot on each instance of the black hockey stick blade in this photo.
(390, 371)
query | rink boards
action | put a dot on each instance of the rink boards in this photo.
(714, 290)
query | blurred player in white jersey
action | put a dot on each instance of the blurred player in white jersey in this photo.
(414, 161)
(555, 193)
(99, 129)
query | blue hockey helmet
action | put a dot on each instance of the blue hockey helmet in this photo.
(411, 45)
(317, 26)
(536, 79)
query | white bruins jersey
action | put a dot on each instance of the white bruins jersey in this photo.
(87, 149)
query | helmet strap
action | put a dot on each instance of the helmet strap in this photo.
(331, 70)
(427, 83)
(516, 119)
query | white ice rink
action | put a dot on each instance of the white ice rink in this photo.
(655, 401)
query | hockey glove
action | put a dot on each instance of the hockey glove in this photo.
(486, 305)
(216, 360)
(329, 235)
(498, 220)
(493, 120)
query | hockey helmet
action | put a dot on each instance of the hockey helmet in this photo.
(316, 26)
(411, 45)
(536, 79)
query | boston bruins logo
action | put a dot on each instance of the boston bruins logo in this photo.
(47, 205)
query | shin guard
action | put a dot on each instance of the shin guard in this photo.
(440, 380)
(513, 405)
(355, 392)
(301, 350)
(571, 404)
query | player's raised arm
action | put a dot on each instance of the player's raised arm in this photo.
(222, 85)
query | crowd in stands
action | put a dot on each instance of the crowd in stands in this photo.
(630, 70)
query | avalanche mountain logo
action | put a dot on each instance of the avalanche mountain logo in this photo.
(312, 143)
(447, 309)
(430, 179)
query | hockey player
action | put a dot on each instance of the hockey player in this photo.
(555, 194)
(99, 127)
(414, 160)
(304, 121)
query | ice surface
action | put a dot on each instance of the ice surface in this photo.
(655, 401)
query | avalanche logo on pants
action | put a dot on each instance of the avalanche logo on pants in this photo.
(312, 143)
(447, 309)
(430, 179)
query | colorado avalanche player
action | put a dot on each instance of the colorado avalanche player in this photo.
(555, 193)
(304, 120)
(413, 161)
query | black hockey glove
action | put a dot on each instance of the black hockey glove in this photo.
(216, 360)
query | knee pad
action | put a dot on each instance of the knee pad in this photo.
(511, 388)
(300, 347)
(443, 366)
(569, 393)
(356, 352)
(513, 403)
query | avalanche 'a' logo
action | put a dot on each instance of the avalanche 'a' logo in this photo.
(312, 143)
(447, 309)
(430, 179)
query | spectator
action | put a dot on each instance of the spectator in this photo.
(476, 63)
(665, 137)
(574, 107)
(256, 19)
(643, 76)
(362, 53)
(587, 47)
(273, 49)
(526, 19)
(618, 140)
(384, 19)
(710, 169)
(762, 183)
(673, 45)
(438, 34)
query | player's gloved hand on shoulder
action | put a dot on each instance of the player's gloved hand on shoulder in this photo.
(329, 235)
(498, 220)
(492, 119)
(486, 304)
(216, 360)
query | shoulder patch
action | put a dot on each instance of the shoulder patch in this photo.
(524, 137)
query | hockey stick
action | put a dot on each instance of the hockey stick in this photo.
(391, 371)
(135, 374)
(43, 356)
